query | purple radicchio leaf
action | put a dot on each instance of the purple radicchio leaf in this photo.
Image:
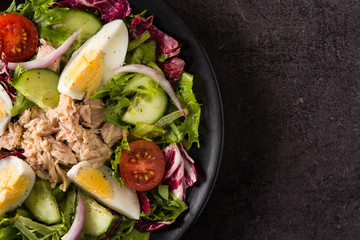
(5, 77)
(166, 45)
(150, 226)
(107, 10)
(144, 202)
(16, 153)
(190, 173)
(180, 172)
(173, 68)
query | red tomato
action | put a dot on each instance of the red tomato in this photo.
(143, 167)
(18, 37)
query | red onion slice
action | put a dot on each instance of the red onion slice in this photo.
(78, 224)
(49, 59)
(156, 76)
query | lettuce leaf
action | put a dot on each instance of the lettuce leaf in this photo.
(116, 101)
(107, 10)
(164, 209)
(46, 19)
(127, 231)
(116, 159)
(21, 104)
(143, 54)
(186, 131)
(8, 230)
(120, 93)
(171, 117)
(25, 228)
(161, 208)
(138, 41)
(146, 131)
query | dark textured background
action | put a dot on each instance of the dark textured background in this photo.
(289, 76)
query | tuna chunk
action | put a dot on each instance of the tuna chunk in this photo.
(45, 49)
(11, 139)
(55, 141)
(112, 134)
(92, 112)
(86, 144)
(92, 149)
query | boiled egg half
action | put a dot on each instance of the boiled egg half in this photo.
(16, 182)
(90, 67)
(100, 184)
(5, 107)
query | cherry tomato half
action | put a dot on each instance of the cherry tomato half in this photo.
(143, 167)
(18, 37)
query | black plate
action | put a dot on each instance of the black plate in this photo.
(207, 157)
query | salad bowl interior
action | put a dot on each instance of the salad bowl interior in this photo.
(208, 156)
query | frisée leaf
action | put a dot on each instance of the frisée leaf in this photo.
(127, 231)
(165, 207)
(187, 131)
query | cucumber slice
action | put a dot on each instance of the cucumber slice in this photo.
(98, 219)
(42, 204)
(149, 102)
(146, 108)
(74, 20)
(39, 86)
(142, 84)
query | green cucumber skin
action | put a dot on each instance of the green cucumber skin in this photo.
(98, 219)
(42, 204)
(39, 86)
(146, 110)
(74, 20)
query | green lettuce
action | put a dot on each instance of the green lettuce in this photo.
(164, 206)
(117, 102)
(127, 231)
(8, 230)
(47, 19)
(190, 127)
(121, 91)
(143, 54)
(21, 227)
(186, 131)
(115, 160)
(146, 131)
(138, 41)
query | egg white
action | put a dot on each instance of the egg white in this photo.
(124, 199)
(112, 40)
(23, 169)
(5, 99)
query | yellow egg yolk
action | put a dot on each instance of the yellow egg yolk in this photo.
(12, 185)
(85, 75)
(3, 111)
(94, 181)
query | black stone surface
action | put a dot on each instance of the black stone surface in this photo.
(289, 76)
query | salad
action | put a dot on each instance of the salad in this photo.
(96, 117)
